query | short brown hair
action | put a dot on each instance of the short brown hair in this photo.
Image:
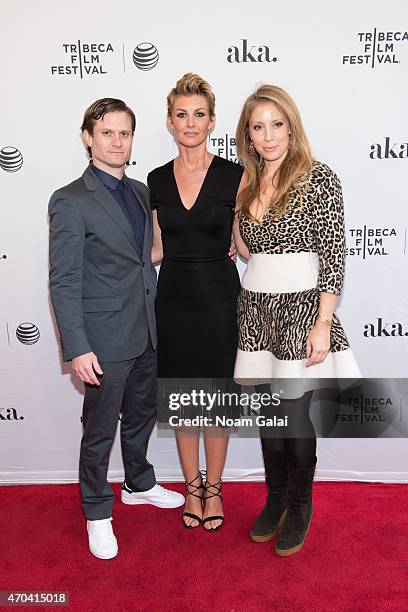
(100, 108)
(191, 85)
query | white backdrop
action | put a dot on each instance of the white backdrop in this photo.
(345, 64)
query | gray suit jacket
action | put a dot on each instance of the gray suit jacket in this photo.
(102, 290)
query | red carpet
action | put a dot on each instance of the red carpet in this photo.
(355, 558)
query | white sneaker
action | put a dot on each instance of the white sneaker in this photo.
(158, 496)
(102, 541)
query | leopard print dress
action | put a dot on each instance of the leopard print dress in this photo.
(293, 259)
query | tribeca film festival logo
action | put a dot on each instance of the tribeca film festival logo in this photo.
(366, 409)
(245, 53)
(385, 329)
(11, 159)
(371, 241)
(82, 59)
(377, 47)
(225, 146)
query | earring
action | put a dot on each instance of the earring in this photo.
(209, 136)
(251, 148)
(290, 135)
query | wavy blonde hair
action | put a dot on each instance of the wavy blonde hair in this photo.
(189, 85)
(296, 163)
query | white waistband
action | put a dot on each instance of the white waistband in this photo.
(284, 273)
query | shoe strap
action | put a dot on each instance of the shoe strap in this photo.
(215, 485)
(193, 516)
(195, 487)
(213, 518)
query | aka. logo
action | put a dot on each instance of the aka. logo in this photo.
(28, 333)
(11, 159)
(247, 54)
(10, 414)
(84, 59)
(145, 56)
(389, 149)
(384, 329)
(377, 47)
(368, 241)
(225, 146)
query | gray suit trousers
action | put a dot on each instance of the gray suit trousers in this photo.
(127, 387)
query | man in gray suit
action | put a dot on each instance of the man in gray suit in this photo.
(103, 288)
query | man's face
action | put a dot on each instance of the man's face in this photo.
(111, 141)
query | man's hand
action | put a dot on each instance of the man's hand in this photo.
(85, 367)
(233, 251)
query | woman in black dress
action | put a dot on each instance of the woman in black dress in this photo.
(193, 201)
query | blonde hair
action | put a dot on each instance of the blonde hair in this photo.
(297, 161)
(189, 85)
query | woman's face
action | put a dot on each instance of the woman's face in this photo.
(190, 120)
(269, 130)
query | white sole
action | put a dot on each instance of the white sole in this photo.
(102, 556)
(139, 502)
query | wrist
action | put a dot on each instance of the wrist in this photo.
(325, 319)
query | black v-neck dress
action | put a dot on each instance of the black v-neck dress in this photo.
(198, 283)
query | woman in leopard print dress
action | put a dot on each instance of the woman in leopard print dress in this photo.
(290, 227)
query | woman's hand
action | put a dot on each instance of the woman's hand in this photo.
(318, 343)
(238, 241)
(233, 251)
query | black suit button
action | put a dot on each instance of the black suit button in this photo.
(147, 291)
(143, 264)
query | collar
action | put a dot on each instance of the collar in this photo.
(111, 182)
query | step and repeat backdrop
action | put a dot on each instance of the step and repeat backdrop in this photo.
(345, 64)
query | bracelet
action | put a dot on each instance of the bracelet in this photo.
(328, 321)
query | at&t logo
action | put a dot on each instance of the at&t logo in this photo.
(11, 159)
(28, 333)
(376, 48)
(145, 56)
(245, 53)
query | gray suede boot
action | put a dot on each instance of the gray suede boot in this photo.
(273, 514)
(299, 515)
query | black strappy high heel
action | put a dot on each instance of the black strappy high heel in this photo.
(207, 495)
(196, 488)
